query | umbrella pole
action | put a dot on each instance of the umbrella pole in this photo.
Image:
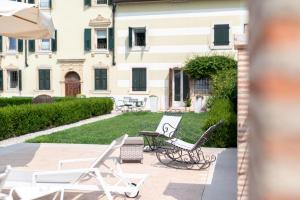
(26, 64)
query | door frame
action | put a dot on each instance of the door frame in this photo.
(75, 82)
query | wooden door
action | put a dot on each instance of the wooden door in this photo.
(72, 84)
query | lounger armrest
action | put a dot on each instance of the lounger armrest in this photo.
(149, 133)
(62, 162)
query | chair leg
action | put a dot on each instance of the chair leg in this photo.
(62, 193)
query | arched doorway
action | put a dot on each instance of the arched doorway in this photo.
(72, 84)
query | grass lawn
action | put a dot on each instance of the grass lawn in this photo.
(103, 132)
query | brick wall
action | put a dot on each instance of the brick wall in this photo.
(274, 110)
(243, 101)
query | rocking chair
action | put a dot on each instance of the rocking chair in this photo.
(183, 155)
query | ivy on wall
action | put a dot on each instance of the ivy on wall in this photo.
(206, 66)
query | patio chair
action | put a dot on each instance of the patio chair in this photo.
(74, 179)
(166, 128)
(183, 155)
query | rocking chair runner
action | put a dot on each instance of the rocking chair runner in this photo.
(183, 155)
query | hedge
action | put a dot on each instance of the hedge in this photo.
(14, 101)
(23, 119)
(226, 135)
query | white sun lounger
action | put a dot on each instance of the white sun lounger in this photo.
(62, 180)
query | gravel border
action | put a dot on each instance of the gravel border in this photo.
(23, 138)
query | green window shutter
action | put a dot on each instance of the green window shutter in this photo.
(100, 79)
(87, 39)
(186, 87)
(47, 79)
(19, 0)
(20, 46)
(221, 34)
(1, 80)
(87, 3)
(130, 37)
(41, 79)
(110, 2)
(31, 45)
(54, 42)
(20, 80)
(135, 80)
(44, 79)
(139, 79)
(145, 29)
(50, 4)
(31, 1)
(111, 39)
(1, 48)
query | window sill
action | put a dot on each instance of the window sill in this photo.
(12, 52)
(225, 47)
(44, 91)
(100, 91)
(13, 90)
(139, 92)
(139, 49)
(44, 52)
(100, 5)
(100, 51)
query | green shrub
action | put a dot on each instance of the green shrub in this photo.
(225, 86)
(22, 119)
(15, 101)
(226, 135)
(207, 66)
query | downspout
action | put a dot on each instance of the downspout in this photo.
(113, 18)
(26, 63)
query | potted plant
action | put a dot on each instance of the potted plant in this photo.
(153, 103)
(188, 103)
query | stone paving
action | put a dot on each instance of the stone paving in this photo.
(216, 183)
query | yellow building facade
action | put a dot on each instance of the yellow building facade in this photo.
(142, 55)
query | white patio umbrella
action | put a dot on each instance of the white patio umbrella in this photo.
(24, 21)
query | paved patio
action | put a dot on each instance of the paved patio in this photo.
(216, 183)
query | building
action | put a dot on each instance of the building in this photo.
(138, 50)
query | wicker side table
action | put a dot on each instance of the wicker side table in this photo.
(132, 150)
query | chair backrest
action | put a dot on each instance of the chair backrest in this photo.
(168, 125)
(206, 135)
(116, 144)
(4, 171)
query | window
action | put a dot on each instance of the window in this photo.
(137, 37)
(101, 1)
(45, 45)
(44, 79)
(202, 86)
(139, 79)
(221, 34)
(100, 79)
(45, 3)
(101, 38)
(140, 37)
(13, 79)
(12, 44)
